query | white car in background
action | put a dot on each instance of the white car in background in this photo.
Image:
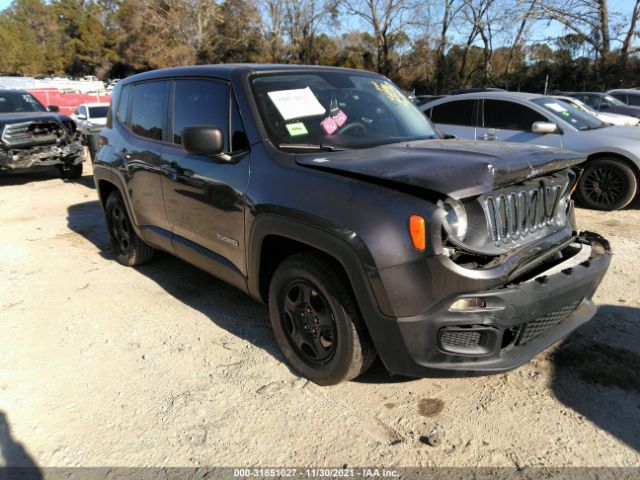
(615, 119)
(612, 170)
(90, 118)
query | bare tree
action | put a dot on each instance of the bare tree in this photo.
(631, 33)
(388, 19)
(302, 20)
(587, 18)
(526, 15)
(477, 16)
(450, 9)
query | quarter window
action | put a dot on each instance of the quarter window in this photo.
(634, 100)
(201, 102)
(149, 109)
(123, 105)
(460, 112)
(506, 115)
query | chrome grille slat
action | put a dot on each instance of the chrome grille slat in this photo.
(522, 211)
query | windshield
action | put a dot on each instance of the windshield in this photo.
(336, 109)
(16, 102)
(98, 112)
(569, 113)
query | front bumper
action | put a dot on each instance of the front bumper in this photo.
(41, 156)
(520, 320)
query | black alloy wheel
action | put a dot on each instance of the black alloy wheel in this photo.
(310, 323)
(606, 184)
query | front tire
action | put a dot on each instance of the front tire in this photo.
(316, 320)
(129, 247)
(607, 184)
(71, 172)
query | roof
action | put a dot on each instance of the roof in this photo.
(634, 91)
(226, 70)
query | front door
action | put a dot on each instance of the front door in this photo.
(143, 119)
(506, 121)
(205, 199)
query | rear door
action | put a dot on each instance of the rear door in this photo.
(205, 198)
(142, 113)
(507, 121)
(457, 117)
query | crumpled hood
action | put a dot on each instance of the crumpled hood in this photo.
(457, 168)
(6, 118)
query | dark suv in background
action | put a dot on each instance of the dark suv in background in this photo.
(327, 194)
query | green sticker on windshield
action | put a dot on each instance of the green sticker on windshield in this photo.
(296, 129)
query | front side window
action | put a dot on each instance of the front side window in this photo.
(18, 102)
(620, 96)
(200, 102)
(507, 115)
(609, 101)
(336, 109)
(459, 112)
(149, 109)
(569, 113)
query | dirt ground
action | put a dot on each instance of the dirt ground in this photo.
(164, 365)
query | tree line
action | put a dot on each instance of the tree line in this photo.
(430, 46)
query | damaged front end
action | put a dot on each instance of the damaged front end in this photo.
(511, 276)
(39, 143)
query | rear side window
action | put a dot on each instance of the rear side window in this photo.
(634, 100)
(460, 112)
(123, 105)
(201, 102)
(149, 109)
(509, 115)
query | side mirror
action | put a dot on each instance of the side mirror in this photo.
(203, 140)
(53, 108)
(544, 127)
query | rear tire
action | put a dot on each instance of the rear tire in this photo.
(130, 249)
(316, 320)
(607, 184)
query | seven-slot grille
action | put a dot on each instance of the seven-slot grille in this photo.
(520, 212)
(19, 134)
(538, 326)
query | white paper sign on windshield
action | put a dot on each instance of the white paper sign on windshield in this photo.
(296, 103)
(556, 107)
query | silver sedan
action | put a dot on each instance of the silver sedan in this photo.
(612, 171)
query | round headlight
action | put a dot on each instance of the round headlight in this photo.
(456, 219)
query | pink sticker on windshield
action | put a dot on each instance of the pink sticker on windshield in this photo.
(329, 125)
(340, 118)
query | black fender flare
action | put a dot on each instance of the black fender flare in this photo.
(343, 246)
(107, 175)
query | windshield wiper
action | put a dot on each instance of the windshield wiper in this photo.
(312, 147)
(594, 127)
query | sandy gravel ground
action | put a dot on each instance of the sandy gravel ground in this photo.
(102, 365)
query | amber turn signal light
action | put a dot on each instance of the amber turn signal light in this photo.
(418, 230)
